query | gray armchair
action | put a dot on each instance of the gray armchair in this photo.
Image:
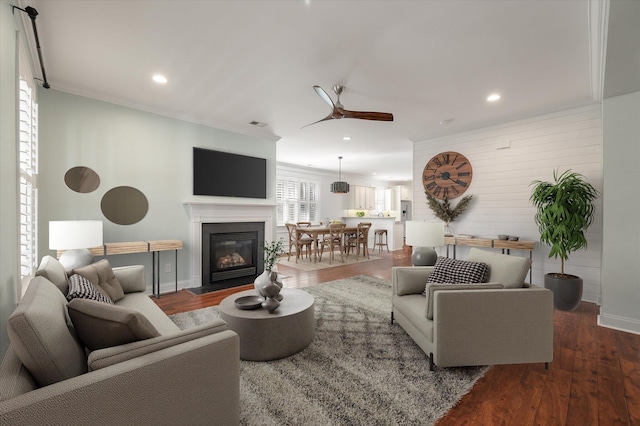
(503, 321)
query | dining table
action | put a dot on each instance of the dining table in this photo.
(315, 231)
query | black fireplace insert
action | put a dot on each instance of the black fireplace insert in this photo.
(231, 254)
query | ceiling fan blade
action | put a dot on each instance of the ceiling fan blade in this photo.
(367, 115)
(323, 95)
(328, 117)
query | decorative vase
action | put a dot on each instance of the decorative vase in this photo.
(448, 230)
(262, 281)
(270, 304)
(268, 286)
(567, 290)
(272, 301)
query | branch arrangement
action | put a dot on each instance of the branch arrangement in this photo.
(442, 209)
(271, 252)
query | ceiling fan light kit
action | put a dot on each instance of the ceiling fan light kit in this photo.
(340, 187)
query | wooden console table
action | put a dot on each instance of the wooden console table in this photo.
(131, 247)
(505, 245)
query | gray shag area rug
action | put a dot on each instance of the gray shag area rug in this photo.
(359, 369)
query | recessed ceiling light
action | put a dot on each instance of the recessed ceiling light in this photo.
(346, 138)
(446, 121)
(160, 79)
(374, 174)
(494, 97)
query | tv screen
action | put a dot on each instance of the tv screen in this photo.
(228, 175)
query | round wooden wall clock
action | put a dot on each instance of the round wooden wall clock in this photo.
(447, 174)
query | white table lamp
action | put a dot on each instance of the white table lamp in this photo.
(423, 236)
(75, 237)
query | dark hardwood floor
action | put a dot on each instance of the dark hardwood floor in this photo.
(594, 378)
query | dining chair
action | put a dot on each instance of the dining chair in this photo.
(307, 225)
(361, 238)
(333, 240)
(297, 241)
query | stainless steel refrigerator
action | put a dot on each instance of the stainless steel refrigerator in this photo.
(405, 210)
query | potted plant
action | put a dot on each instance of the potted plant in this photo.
(565, 210)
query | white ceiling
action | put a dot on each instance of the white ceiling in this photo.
(232, 62)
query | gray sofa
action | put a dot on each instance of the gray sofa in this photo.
(502, 321)
(48, 377)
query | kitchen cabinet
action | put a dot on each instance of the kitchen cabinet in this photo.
(395, 194)
(362, 198)
(406, 192)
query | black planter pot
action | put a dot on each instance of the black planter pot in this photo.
(567, 290)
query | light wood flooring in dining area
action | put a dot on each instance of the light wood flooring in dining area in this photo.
(594, 378)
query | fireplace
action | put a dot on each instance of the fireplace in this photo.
(202, 213)
(231, 254)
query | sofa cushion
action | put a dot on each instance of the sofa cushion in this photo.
(431, 288)
(457, 271)
(110, 356)
(102, 276)
(41, 334)
(142, 303)
(15, 379)
(100, 325)
(53, 270)
(82, 288)
(508, 270)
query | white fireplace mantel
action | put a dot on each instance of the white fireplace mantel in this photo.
(200, 213)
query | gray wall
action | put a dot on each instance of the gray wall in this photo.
(150, 152)
(621, 242)
(9, 230)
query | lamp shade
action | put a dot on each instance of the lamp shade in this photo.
(75, 234)
(340, 187)
(424, 234)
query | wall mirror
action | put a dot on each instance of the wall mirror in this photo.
(82, 179)
(124, 205)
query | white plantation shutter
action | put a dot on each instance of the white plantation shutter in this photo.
(292, 190)
(297, 200)
(313, 192)
(281, 185)
(28, 146)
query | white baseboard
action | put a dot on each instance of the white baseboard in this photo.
(170, 286)
(591, 297)
(619, 323)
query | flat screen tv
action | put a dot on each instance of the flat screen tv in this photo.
(228, 175)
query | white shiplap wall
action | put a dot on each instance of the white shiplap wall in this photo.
(505, 160)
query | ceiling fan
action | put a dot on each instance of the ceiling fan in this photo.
(338, 111)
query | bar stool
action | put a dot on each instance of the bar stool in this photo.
(378, 241)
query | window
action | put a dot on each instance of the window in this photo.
(28, 147)
(297, 200)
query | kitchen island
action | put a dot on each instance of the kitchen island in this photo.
(395, 230)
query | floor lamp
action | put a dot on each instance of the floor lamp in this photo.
(423, 236)
(75, 237)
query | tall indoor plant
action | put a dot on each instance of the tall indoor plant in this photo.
(565, 210)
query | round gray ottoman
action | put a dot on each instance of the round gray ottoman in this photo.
(265, 336)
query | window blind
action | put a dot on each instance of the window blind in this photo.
(28, 165)
(297, 200)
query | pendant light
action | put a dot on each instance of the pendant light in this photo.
(340, 187)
